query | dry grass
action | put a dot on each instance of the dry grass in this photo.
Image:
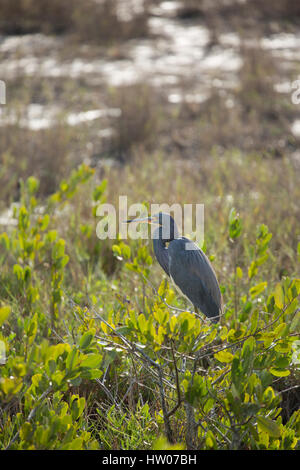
(249, 16)
(28, 16)
(138, 123)
(252, 116)
(262, 189)
(85, 20)
(218, 149)
(102, 23)
(236, 119)
(281, 10)
(47, 154)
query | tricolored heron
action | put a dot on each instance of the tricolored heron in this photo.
(186, 264)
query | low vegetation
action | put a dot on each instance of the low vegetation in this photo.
(97, 349)
(97, 360)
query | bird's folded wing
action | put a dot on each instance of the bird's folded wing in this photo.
(192, 272)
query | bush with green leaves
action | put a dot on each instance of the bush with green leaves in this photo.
(99, 361)
(231, 374)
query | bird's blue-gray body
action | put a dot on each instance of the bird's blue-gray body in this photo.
(186, 264)
(190, 270)
(200, 286)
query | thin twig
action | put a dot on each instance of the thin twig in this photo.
(138, 352)
(177, 386)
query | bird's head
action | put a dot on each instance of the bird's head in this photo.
(166, 226)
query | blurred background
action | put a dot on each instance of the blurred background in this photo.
(170, 101)
(188, 101)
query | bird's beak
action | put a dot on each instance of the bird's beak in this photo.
(143, 220)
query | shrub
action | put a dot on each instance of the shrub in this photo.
(84, 371)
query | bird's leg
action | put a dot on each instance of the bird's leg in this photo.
(196, 310)
(204, 363)
(191, 426)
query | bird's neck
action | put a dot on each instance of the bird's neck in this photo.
(161, 236)
(161, 253)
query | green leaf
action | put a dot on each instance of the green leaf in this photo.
(292, 307)
(51, 236)
(123, 330)
(239, 272)
(32, 184)
(280, 330)
(35, 379)
(161, 316)
(247, 306)
(254, 321)
(163, 444)
(258, 289)
(52, 366)
(295, 325)
(91, 374)
(77, 406)
(76, 444)
(224, 356)
(4, 240)
(126, 252)
(142, 323)
(268, 395)
(58, 250)
(252, 270)
(269, 426)
(262, 259)
(25, 431)
(279, 296)
(92, 361)
(18, 271)
(173, 323)
(71, 359)
(271, 303)
(162, 288)
(116, 250)
(4, 313)
(86, 339)
(236, 372)
(235, 225)
(282, 362)
(99, 190)
(44, 222)
(31, 328)
(248, 354)
(279, 372)
(23, 219)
